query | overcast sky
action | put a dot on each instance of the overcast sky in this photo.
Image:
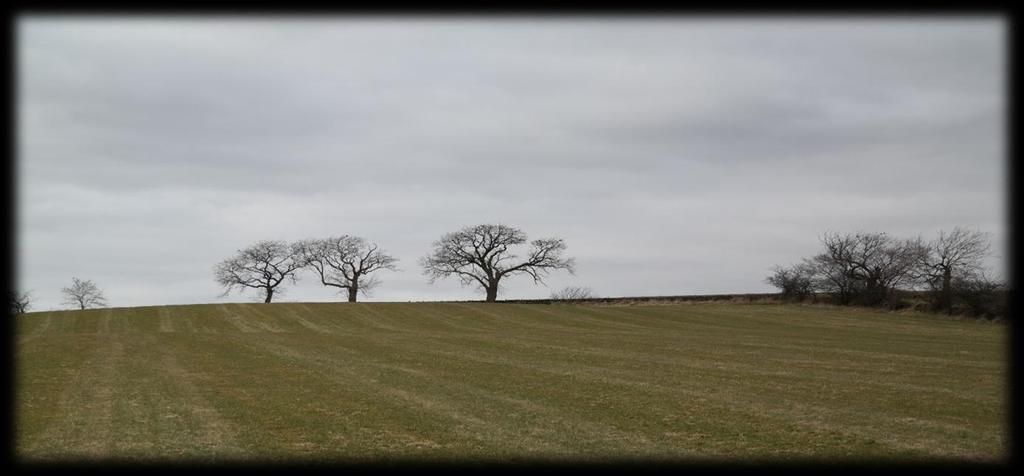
(674, 155)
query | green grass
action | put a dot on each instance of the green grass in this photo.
(356, 382)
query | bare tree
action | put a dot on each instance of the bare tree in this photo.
(954, 255)
(480, 255)
(795, 282)
(831, 273)
(264, 266)
(345, 261)
(20, 302)
(572, 293)
(84, 294)
(865, 266)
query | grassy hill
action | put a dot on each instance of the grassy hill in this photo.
(472, 381)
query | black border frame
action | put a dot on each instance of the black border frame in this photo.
(179, 8)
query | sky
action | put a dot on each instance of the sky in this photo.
(674, 155)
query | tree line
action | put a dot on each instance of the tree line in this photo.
(481, 255)
(869, 269)
(877, 269)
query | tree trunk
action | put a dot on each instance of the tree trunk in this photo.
(947, 291)
(492, 292)
(352, 290)
(874, 294)
(270, 295)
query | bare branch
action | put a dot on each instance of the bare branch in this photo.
(481, 255)
(573, 293)
(264, 266)
(20, 302)
(864, 266)
(953, 257)
(344, 262)
(84, 294)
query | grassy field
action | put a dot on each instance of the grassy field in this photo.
(469, 381)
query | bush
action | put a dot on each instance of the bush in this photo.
(794, 283)
(573, 293)
(980, 297)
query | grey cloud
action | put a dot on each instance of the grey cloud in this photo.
(674, 155)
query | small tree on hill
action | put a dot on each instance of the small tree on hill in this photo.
(264, 266)
(20, 302)
(481, 255)
(84, 294)
(344, 262)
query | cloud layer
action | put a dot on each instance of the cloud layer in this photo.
(673, 155)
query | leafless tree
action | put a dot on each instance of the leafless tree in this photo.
(84, 294)
(20, 302)
(572, 293)
(954, 255)
(264, 266)
(345, 261)
(831, 273)
(866, 266)
(480, 255)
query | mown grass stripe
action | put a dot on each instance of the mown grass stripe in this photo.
(472, 380)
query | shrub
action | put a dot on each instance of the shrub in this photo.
(980, 297)
(794, 283)
(573, 293)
